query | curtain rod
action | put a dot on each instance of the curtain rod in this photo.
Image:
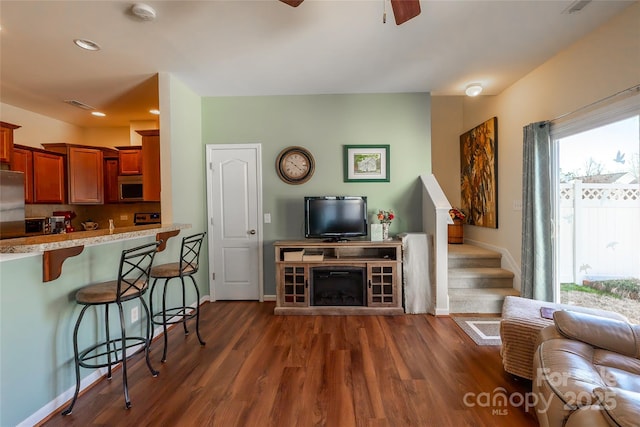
(630, 89)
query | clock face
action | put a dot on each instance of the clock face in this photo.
(295, 165)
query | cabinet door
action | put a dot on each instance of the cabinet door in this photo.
(111, 181)
(6, 144)
(48, 178)
(294, 286)
(151, 168)
(86, 176)
(381, 285)
(22, 161)
(130, 161)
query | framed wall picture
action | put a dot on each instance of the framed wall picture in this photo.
(479, 174)
(366, 163)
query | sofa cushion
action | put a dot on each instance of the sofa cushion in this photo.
(610, 334)
(617, 370)
(621, 407)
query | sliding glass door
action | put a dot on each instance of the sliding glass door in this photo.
(597, 208)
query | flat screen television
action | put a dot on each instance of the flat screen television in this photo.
(335, 217)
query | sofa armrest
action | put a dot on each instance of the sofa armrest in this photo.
(609, 334)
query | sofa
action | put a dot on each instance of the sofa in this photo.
(521, 323)
(587, 372)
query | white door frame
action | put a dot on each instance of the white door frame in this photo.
(210, 148)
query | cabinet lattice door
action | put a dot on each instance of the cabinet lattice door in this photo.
(381, 289)
(295, 285)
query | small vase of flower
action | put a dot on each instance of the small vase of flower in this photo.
(385, 218)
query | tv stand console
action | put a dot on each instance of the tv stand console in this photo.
(345, 278)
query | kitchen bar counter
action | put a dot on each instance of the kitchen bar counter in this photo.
(48, 242)
(56, 248)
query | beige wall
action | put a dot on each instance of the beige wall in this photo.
(36, 128)
(600, 64)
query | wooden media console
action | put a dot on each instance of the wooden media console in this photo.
(345, 278)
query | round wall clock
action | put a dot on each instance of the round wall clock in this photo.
(295, 165)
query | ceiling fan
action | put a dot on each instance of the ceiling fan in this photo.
(403, 10)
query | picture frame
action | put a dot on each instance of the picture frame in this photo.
(366, 163)
(479, 174)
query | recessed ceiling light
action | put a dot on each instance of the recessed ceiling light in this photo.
(87, 44)
(473, 89)
(154, 111)
(98, 114)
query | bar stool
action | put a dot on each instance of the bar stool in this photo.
(186, 267)
(132, 283)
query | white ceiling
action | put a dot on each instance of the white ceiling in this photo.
(264, 47)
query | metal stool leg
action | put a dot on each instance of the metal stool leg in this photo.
(197, 311)
(125, 384)
(164, 320)
(148, 336)
(76, 358)
(184, 307)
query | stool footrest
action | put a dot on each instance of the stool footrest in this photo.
(174, 315)
(113, 347)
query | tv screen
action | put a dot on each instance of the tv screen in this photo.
(335, 217)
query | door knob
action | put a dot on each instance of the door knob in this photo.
(252, 231)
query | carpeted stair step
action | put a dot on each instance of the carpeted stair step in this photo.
(480, 278)
(463, 256)
(487, 300)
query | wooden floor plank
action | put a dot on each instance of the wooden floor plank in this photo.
(258, 369)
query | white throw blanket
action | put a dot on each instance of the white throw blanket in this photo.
(418, 296)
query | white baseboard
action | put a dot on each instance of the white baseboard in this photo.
(269, 298)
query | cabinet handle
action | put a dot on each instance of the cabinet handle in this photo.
(369, 283)
(306, 283)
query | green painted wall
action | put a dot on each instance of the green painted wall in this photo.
(323, 124)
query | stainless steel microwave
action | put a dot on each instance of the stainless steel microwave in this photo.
(130, 188)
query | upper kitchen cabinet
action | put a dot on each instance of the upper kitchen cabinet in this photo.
(85, 182)
(44, 174)
(150, 164)
(111, 180)
(130, 160)
(6, 141)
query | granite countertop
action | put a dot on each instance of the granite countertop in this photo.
(48, 242)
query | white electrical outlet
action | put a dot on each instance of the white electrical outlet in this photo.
(124, 217)
(134, 314)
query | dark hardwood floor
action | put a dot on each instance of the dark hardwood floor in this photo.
(258, 369)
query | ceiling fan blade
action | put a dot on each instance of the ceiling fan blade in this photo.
(403, 10)
(292, 3)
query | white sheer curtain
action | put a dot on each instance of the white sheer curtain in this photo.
(537, 226)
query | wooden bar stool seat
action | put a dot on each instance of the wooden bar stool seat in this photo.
(186, 267)
(132, 283)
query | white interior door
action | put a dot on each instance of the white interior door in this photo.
(235, 230)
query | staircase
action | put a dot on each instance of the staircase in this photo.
(477, 283)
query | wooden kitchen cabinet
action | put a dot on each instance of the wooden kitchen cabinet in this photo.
(44, 174)
(150, 164)
(48, 177)
(85, 182)
(111, 169)
(130, 159)
(22, 161)
(6, 141)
